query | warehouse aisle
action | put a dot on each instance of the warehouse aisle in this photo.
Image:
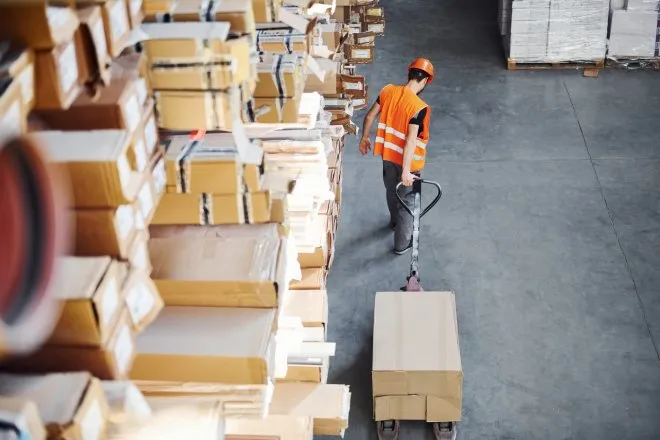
(548, 232)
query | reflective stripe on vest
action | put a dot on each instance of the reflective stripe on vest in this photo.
(398, 106)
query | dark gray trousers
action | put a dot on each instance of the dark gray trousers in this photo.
(398, 214)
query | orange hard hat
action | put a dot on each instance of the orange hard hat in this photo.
(425, 66)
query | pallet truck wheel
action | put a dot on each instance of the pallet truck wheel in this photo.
(445, 431)
(388, 430)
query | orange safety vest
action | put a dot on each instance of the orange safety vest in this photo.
(398, 105)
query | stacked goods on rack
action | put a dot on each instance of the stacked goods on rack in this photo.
(554, 31)
(185, 245)
(634, 31)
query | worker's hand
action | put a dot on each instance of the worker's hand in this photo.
(365, 145)
(408, 178)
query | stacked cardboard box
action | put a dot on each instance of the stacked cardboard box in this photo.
(554, 31)
(421, 378)
(186, 241)
(634, 30)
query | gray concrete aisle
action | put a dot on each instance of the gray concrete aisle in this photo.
(549, 233)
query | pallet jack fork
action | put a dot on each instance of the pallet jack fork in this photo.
(389, 429)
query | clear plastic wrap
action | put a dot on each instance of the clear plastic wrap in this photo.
(550, 31)
(635, 32)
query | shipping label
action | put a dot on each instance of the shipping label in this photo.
(140, 303)
(123, 350)
(98, 34)
(119, 21)
(151, 135)
(132, 113)
(68, 68)
(109, 302)
(125, 221)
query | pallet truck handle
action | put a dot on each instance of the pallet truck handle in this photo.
(417, 187)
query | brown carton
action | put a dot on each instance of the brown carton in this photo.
(201, 209)
(18, 64)
(135, 12)
(328, 405)
(112, 361)
(280, 75)
(12, 115)
(72, 406)
(106, 231)
(142, 299)
(238, 13)
(92, 45)
(100, 176)
(24, 414)
(37, 24)
(277, 110)
(416, 359)
(282, 41)
(207, 345)
(117, 25)
(312, 279)
(115, 106)
(240, 266)
(89, 290)
(188, 110)
(190, 41)
(356, 54)
(57, 76)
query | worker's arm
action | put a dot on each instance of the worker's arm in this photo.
(365, 142)
(408, 153)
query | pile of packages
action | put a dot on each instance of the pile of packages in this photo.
(554, 31)
(561, 31)
(634, 30)
(203, 142)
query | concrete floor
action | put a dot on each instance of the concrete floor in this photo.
(549, 233)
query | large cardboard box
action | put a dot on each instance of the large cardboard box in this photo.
(238, 13)
(89, 288)
(417, 371)
(22, 413)
(239, 266)
(115, 106)
(207, 345)
(283, 41)
(100, 176)
(37, 24)
(141, 296)
(94, 58)
(280, 75)
(194, 110)
(191, 40)
(328, 405)
(57, 76)
(112, 361)
(213, 209)
(18, 63)
(105, 231)
(72, 406)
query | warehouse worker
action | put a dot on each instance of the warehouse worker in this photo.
(401, 138)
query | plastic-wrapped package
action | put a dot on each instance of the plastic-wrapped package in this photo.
(548, 31)
(635, 31)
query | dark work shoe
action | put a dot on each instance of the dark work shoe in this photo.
(402, 251)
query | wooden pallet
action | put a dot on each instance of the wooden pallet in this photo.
(634, 63)
(515, 65)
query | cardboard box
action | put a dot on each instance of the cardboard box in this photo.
(108, 231)
(72, 406)
(190, 41)
(142, 299)
(12, 116)
(90, 291)
(57, 76)
(192, 110)
(283, 41)
(138, 253)
(207, 345)
(280, 75)
(21, 413)
(316, 374)
(94, 58)
(193, 76)
(272, 427)
(330, 84)
(200, 209)
(427, 363)
(312, 279)
(311, 306)
(18, 63)
(277, 110)
(100, 176)
(116, 23)
(238, 13)
(116, 106)
(152, 7)
(241, 266)
(37, 24)
(359, 54)
(199, 166)
(135, 12)
(328, 405)
(112, 361)
(264, 10)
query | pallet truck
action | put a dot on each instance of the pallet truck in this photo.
(389, 429)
